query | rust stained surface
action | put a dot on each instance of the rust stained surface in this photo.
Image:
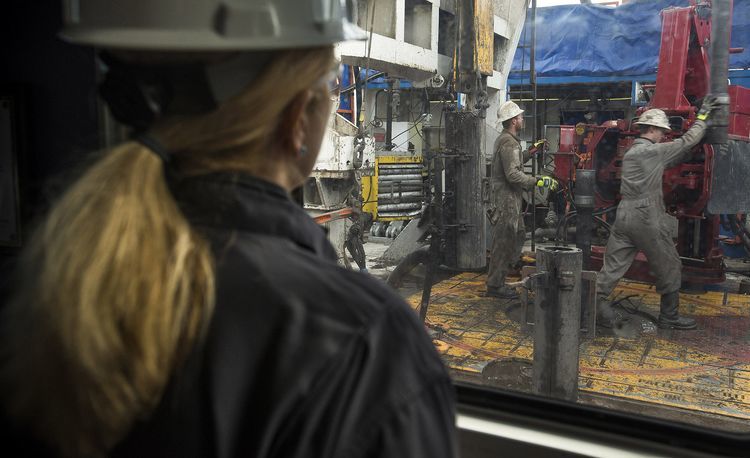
(707, 370)
(484, 23)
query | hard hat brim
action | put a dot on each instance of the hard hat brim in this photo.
(512, 116)
(353, 32)
(661, 126)
(139, 39)
(210, 25)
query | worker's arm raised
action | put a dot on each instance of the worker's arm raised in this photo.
(675, 152)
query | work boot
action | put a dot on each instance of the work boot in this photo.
(669, 317)
(503, 292)
(605, 314)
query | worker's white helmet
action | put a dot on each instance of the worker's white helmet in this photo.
(210, 25)
(654, 117)
(508, 110)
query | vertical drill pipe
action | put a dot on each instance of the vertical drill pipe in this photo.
(532, 71)
(389, 116)
(434, 192)
(557, 321)
(466, 50)
(532, 80)
(585, 201)
(721, 17)
(436, 234)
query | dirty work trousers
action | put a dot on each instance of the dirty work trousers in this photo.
(508, 235)
(641, 225)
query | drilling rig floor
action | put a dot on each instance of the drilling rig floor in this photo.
(700, 376)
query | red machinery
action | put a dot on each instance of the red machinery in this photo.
(682, 81)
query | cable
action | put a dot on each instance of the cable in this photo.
(525, 45)
(375, 111)
(410, 128)
(360, 126)
(563, 222)
(425, 111)
(367, 66)
(407, 141)
(634, 309)
(554, 107)
(440, 125)
(367, 80)
(601, 221)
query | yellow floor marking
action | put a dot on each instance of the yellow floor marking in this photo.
(706, 370)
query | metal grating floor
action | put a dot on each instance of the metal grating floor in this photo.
(707, 370)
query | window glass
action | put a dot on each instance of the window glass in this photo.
(507, 270)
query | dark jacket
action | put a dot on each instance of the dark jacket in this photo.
(303, 358)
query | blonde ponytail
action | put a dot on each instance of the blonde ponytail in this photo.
(117, 288)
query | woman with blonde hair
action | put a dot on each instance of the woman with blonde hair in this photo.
(176, 301)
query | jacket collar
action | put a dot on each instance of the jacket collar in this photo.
(225, 200)
(644, 140)
(515, 137)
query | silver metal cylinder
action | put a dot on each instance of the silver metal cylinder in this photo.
(557, 322)
(721, 19)
(399, 166)
(390, 195)
(400, 177)
(397, 207)
(402, 214)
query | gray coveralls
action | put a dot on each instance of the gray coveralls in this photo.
(641, 215)
(507, 185)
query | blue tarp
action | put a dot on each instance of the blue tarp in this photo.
(591, 40)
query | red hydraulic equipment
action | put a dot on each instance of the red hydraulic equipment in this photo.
(682, 81)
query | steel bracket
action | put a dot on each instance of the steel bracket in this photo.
(533, 279)
(566, 280)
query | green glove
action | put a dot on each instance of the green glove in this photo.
(547, 182)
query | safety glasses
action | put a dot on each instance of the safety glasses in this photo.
(332, 80)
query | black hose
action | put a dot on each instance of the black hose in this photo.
(563, 222)
(412, 260)
(634, 309)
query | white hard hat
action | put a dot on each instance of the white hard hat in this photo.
(210, 25)
(654, 117)
(508, 110)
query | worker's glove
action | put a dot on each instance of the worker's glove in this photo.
(547, 182)
(537, 145)
(709, 104)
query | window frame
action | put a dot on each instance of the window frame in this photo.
(596, 425)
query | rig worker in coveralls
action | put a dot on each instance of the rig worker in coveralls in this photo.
(642, 219)
(505, 211)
